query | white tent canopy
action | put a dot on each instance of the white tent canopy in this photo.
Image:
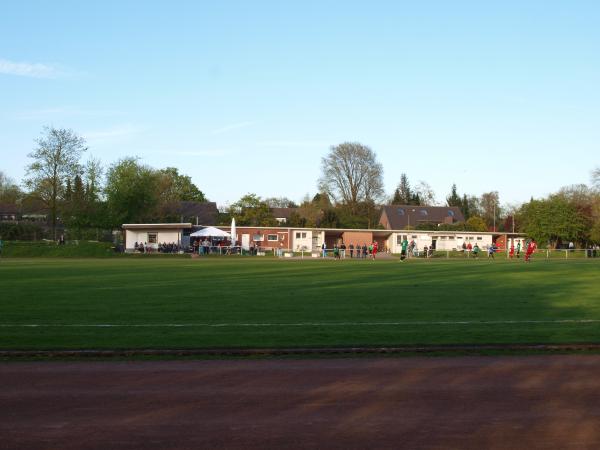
(210, 232)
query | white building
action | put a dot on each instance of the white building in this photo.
(152, 234)
(441, 240)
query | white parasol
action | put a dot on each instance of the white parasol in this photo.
(233, 231)
(210, 232)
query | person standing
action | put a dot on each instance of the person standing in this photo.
(404, 250)
(364, 250)
(518, 249)
(343, 250)
(512, 250)
(491, 251)
(469, 249)
(323, 250)
(531, 247)
(476, 251)
(351, 248)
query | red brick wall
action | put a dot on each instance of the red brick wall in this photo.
(357, 238)
(383, 220)
(264, 232)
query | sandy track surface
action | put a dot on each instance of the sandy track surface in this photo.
(434, 403)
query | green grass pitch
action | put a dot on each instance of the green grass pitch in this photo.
(150, 302)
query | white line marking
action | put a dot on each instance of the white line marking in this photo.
(298, 324)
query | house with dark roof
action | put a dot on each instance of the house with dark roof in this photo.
(403, 217)
(8, 212)
(282, 215)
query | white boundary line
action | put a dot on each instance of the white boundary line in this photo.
(299, 324)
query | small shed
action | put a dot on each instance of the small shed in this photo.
(152, 234)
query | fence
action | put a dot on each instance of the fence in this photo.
(574, 254)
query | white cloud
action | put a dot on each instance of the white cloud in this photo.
(232, 126)
(25, 69)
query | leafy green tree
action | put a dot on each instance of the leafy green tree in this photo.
(405, 195)
(177, 187)
(131, 192)
(9, 191)
(251, 210)
(454, 199)
(296, 220)
(55, 159)
(475, 223)
(93, 173)
(553, 220)
(329, 219)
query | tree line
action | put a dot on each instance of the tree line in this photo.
(83, 195)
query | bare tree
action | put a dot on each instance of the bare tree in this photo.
(350, 174)
(280, 202)
(490, 205)
(426, 193)
(54, 161)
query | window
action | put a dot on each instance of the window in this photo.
(257, 237)
(400, 211)
(442, 238)
(398, 239)
(458, 237)
(423, 212)
(152, 238)
(414, 236)
(450, 213)
(479, 238)
(271, 237)
(297, 235)
(451, 238)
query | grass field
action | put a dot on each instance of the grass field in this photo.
(253, 302)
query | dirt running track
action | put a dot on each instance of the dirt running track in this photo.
(422, 402)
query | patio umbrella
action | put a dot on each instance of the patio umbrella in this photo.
(233, 231)
(210, 232)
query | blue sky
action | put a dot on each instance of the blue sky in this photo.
(248, 96)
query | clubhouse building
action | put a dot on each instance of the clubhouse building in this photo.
(397, 222)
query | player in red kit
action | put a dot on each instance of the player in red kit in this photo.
(530, 249)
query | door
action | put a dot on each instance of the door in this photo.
(246, 241)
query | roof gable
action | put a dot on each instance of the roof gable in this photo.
(401, 216)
